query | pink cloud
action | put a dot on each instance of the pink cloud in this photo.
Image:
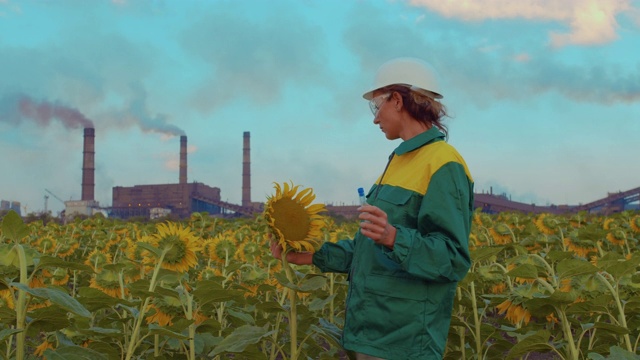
(590, 22)
(523, 57)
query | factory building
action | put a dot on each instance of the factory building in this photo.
(183, 198)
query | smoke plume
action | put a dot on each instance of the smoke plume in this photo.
(139, 113)
(17, 107)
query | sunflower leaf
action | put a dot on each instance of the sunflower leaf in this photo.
(155, 329)
(104, 348)
(485, 253)
(525, 271)
(611, 328)
(73, 353)
(50, 261)
(569, 268)
(57, 297)
(284, 281)
(13, 227)
(538, 341)
(318, 304)
(152, 249)
(5, 333)
(94, 299)
(47, 319)
(207, 291)
(209, 326)
(9, 255)
(241, 338)
(312, 282)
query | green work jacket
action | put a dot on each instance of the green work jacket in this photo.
(400, 300)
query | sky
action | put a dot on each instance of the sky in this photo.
(543, 95)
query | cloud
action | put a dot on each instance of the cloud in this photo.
(590, 22)
(484, 64)
(522, 57)
(11, 7)
(253, 58)
(100, 75)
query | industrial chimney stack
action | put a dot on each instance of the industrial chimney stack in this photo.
(246, 171)
(88, 165)
(183, 159)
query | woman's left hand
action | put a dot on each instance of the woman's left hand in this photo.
(375, 226)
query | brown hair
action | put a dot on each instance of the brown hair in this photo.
(421, 107)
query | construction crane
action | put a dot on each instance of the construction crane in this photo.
(46, 200)
(54, 195)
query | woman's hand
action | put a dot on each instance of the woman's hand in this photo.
(298, 258)
(375, 226)
(276, 250)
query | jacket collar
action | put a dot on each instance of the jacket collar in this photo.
(431, 135)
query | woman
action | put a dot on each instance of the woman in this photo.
(411, 250)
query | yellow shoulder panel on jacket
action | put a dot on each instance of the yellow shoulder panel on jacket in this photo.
(413, 170)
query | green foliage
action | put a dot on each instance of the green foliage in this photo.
(568, 292)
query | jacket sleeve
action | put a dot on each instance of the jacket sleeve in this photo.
(438, 250)
(334, 257)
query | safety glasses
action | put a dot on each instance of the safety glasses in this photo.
(376, 103)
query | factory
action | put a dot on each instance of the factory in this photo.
(159, 200)
(181, 199)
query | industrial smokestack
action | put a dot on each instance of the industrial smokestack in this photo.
(183, 159)
(88, 164)
(246, 171)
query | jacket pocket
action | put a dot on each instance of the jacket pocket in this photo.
(396, 202)
(395, 312)
(394, 195)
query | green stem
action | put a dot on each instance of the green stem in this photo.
(21, 305)
(331, 291)
(9, 345)
(293, 313)
(461, 329)
(546, 285)
(505, 271)
(552, 274)
(192, 328)
(156, 345)
(566, 328)
(274, 337)
(143, 309)
(621, 317)
(476, 322)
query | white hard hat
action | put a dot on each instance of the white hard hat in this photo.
(416, 74)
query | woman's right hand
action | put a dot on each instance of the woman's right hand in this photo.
(276, 250)
(298, 258)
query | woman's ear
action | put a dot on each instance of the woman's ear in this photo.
(397, 98)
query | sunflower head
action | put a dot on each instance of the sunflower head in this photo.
(222, 247)
(249, 252)
(46, 244)
(108, 282)
(96, 259)
(294, 222)
(166, 309)
(6, 299)
(608, 224)
(180, 245)
(635, 223)
(516, 313)
(616, 237)
(501, 233)
(546, 224)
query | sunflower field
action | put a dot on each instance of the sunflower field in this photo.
(541, 286)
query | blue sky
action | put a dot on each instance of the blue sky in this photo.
(544, 96)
